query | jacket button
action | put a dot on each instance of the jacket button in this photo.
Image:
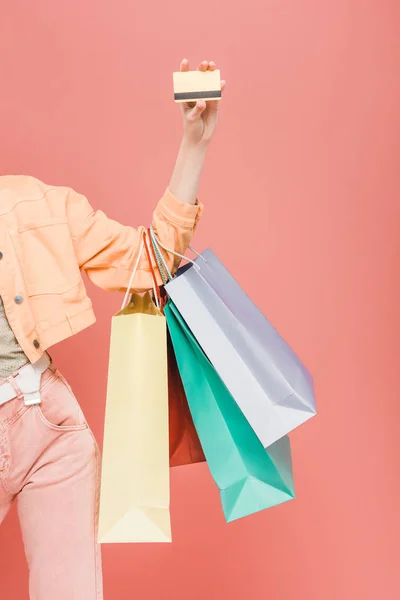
(18, 299)
(36, 343)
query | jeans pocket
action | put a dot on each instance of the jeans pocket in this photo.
(59, 409)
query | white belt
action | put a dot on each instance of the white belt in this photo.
(28, 381)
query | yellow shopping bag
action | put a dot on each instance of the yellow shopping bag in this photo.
(135, 496)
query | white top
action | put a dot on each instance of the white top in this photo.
(12, 357)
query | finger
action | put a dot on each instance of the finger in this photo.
(195, 113)
(185, 65)
(212, 66)
(188, 105)
(203, 66)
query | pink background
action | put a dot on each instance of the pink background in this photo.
(302, 190)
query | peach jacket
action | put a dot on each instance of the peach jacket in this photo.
(49, 235)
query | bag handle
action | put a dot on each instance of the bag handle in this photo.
(160, 259)
(135, 268)
(157, 258)
(156, 291)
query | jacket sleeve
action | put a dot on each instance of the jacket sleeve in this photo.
(107, 250)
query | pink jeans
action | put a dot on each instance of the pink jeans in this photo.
(50, 463)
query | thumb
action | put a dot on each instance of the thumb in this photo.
(196, 111)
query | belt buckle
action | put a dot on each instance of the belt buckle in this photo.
(28, 381)
(31, 398)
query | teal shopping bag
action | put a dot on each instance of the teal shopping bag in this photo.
(250, 478)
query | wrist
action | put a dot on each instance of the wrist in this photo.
(192, 147)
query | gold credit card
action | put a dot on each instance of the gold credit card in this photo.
(190, 86)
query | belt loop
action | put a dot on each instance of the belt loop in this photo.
(18, 393)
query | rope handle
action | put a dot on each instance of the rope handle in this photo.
(157, 297)
(156, 289)
(160, 259)
(162, 267)
(163, 275)
(135, 268)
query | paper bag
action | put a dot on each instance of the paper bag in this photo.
(249, 477)
(135, 496)
(266, 378)
(184, 443)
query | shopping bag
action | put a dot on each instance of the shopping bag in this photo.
(249, 477)
(268, 381)
(184, 443)
(135, 495)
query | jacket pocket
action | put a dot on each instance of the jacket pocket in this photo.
(47, 258)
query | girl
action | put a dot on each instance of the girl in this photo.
(49, 459)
